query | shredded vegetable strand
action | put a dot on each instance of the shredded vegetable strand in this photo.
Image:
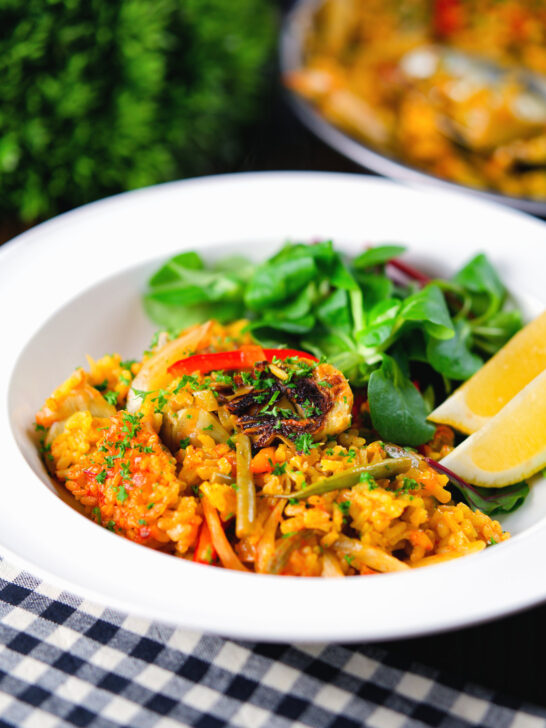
(285, 548)
(223, 548)
(246, 492)
(370, 556)
(266, 545)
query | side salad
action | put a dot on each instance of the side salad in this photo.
(403, 340)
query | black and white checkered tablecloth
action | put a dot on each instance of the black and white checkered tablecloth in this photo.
(68, 662)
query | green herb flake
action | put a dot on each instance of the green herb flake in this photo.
(111, 397)
(344, 506)
(122, 494)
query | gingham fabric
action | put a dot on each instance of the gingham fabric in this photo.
(68, 662)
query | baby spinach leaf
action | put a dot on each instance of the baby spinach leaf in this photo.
(428, 305)
(169, 272)
(183, 281)
(495, 332)
(175, 318)
(277, 280)
(479, 276)
(334, 311)
(397, 409)
(375, 287)
(378, 255)
(452, 357)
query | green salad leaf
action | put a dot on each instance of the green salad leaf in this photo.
(495, 501)
(397, 408)
(453, 357)
(382, 334)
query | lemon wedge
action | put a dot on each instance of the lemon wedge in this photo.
(515, 365)
(511, 446)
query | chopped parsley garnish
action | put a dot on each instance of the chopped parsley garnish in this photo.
(150, 506)
(141, 393)
(153, 343)
(111, 525)
(98, 517)
(122, 494)
(223, 378)
(349, 559)
(408, 484)
(127, 363)
(293, 501)
(184, 443)
(304, 443)
(101, 477)
(209, 427)
(279, 469)
(369, 480)
(111, 397)
(231, 443)
(142, 521)
(160, 401)
(344, 506)
(102, 386)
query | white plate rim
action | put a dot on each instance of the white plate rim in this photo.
(347, 610)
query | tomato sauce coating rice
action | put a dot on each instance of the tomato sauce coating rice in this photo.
(263, 468)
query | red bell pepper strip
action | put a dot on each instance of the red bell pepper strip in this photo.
(284, 354)
(244, 358)
(205, 553)
(448, 17)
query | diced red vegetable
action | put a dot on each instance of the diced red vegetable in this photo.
(205, 553)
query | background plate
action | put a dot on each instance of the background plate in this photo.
(295, 27)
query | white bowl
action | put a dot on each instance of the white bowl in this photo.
(72, 286)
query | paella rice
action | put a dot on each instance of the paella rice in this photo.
(213, 449)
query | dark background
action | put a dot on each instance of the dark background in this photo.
(507, 655)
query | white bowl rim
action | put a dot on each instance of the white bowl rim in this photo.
(458, 593)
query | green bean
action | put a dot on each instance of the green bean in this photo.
(350, 478)
(246, 492)
(284, 550)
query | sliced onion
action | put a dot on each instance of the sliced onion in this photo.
(227, 555)
(153, 374)
(266, 545)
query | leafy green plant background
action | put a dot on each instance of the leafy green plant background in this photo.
(101, 96)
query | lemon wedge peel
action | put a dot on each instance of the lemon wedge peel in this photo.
(511, 446)
(500, 379)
